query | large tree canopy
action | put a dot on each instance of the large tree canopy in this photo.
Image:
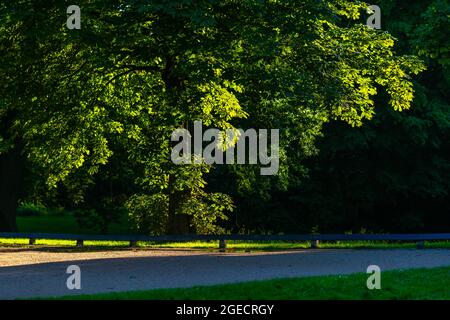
(74, 102)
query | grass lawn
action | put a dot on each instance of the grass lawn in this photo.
(231, 245)
(405, 285)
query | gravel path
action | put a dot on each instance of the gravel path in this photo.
(33, 273)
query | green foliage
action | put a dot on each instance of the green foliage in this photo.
(206, 211)
(31, 209)
(391, 175)
(431, 37)
(96, 219)
(149, 213)
(115, 90)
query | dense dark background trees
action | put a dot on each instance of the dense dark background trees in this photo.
(89, 113)
(393, 173)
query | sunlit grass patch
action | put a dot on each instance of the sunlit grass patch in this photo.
(231, 245)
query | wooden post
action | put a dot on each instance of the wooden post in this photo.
(80, 243)
(314, 244)
(222, 245)
(133, 243)
(32, 242)
(421, 245)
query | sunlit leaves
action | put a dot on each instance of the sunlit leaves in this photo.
(140, 69)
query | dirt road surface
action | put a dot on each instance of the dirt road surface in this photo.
(26, 273)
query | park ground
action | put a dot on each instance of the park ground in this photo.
(183, 273)
(196, 270)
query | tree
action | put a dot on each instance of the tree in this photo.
(392, 174)
(138, 70)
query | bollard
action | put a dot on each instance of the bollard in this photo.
(222, 245)
(421, 245)
(133, 243)
(314, 244)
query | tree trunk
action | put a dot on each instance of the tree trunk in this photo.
(178, 223)
(11, 181)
